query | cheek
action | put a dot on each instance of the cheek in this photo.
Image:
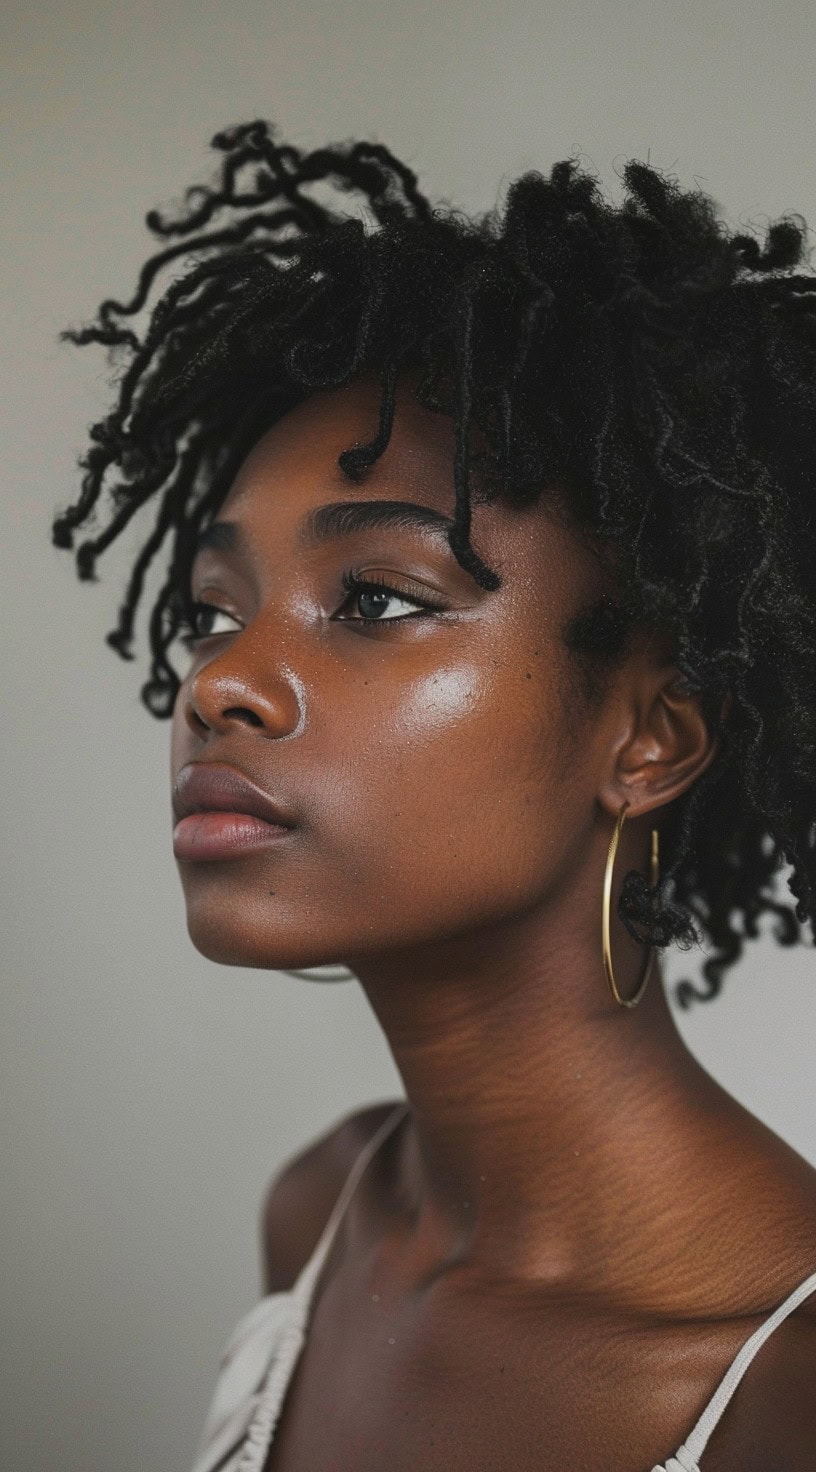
(450, 801)
(424, 814)
(439, 708)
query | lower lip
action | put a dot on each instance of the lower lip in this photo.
(217, 835)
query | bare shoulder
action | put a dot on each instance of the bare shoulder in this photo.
(301, 1194)
(771, 1420)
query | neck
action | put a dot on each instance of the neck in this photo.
(550, 1126)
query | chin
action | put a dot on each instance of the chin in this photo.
(230, 937)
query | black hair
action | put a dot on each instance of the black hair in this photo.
(648, 359)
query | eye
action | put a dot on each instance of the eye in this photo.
(192, 634)
(376, 595)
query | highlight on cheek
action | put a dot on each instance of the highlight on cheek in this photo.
(442, 697)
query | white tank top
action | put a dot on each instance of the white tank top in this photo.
(262, 1351)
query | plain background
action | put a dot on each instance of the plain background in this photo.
(148, 1094)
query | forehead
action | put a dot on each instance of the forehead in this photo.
(292, 470)
(300, 452)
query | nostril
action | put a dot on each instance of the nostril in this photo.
(245, 714)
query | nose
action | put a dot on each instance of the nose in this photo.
(232, 688)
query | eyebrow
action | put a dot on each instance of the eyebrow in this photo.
(336, 519)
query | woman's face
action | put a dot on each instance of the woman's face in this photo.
(436, 765)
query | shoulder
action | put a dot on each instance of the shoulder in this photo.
(301, 1194)
(771, 1420)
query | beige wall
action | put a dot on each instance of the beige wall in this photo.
(149, 1094)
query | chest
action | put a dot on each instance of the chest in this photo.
(451, 1380)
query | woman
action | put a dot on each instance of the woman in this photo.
(493, 540)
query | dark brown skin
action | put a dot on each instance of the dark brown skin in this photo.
(550, 1264)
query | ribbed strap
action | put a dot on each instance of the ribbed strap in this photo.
(242, 1374)
(267, 1412)
(682, 1462)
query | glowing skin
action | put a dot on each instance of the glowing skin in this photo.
(432, 761)
(454, 803)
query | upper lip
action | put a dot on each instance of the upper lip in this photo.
(207, 786)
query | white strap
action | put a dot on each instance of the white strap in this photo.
(270, 1402)
(682, 1462)
(696, 1442)
(304, 1284)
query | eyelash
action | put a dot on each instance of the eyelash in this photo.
(352, 583)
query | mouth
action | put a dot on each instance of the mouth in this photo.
(221, 813)
(215, 834)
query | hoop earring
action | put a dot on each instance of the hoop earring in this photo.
(337, 973)
(654, 874)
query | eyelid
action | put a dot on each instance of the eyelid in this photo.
(189, 621)
(354, 579)
(201, 600)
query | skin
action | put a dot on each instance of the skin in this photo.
(554, 1258)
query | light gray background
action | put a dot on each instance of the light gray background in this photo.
(149, 1094)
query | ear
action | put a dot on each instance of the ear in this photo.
(663, 742)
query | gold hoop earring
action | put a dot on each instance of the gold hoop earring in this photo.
(336, 973)
(654, 874)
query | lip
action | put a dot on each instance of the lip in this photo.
(220, 813)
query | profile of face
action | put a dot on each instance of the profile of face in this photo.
(427, 743)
